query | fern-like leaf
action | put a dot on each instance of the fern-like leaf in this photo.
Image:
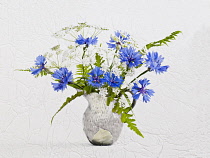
(126, 117)
(68, 100)
(22, 70)
(162, 42)
(83, 70)
(127, 98)
(99, 60)
(133, 126)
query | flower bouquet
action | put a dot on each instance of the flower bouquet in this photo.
(111, 69)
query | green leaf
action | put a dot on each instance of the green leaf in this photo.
(44, 72)
(89, 89)
(125, 118)
(22, 70)
(133, 127)
(76, 86)
(68, 100)
(127, 98)
(127, 109)
(163, 41)
(83, 70)
(99, 60)
(55, 47)
(116, 107)
(109, 100)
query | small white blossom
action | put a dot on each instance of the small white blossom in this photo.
(130, 86)
(123, 101)
(104, 67)
(87, 61)
(131, 72)
(116, 71)
(116, 90)
(103, 91)
(124, 65)
(116, 62)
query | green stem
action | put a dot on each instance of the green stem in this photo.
(113, 60)
(83, 70)
(77, 85)
(48, 71)
(124, 73)
(140, 75)
(84, 50)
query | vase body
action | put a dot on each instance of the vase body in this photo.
(101, 125)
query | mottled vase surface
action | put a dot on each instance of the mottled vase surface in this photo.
(101, 125)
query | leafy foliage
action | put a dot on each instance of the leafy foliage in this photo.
(99, 60)
(55, 47)
(111, 96)
(80, 26)
(89, 89)
(83, 70)
(81, 83)
(44, 72)
(68, 100)
(23, 70)
(126, 118)
(162, 42)
(76, 86)
(127, 98)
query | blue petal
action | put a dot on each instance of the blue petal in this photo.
(35, 71)
(40, 60)
(59, 86)
(150, 92)
(162, 69)
(144, 82)
(146, 98)
(136, 96)
(111, 45)
(80, 40)
(154, 61)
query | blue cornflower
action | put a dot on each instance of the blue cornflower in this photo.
(153, 62)
(95, 78)
(131, 57)
(118, 40)
(40, 63)
(87, 41)
(64, 77)
(112, 80)
(146, 93)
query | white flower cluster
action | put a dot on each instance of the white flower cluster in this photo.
(131, 72)
(103, 91)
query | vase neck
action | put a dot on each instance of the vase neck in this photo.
(96, 101)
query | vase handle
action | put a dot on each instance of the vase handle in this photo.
(133, 103)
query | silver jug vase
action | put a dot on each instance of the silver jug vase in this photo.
(101, 125)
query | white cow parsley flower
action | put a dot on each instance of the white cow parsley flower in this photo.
(103, 91)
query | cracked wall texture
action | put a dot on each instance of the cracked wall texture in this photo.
(176, 123)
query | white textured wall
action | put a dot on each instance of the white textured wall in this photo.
(176, 123)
